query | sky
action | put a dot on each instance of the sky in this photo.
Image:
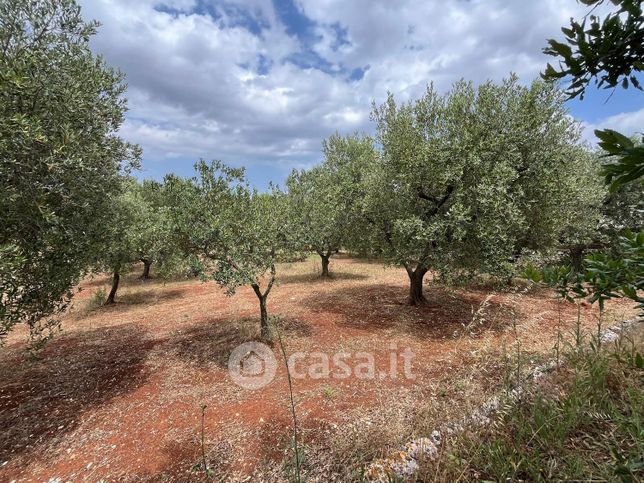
(260, 83)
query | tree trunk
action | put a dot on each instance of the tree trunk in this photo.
(115, 285)
(416, 296)
(265, 332)
(325, 265)
(577, 259)
(146, 268)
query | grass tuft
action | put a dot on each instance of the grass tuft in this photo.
(585, 422)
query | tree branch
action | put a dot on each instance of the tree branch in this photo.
(270, 283)
(438, 202)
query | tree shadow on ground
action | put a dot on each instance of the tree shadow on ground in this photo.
(212, 340)
(42, 400)
(313, 278)
(98, 280)
(290, 326)
(269, 441)
(89, 306)
(354, 257)
(383, 307)
(132, 279)
(151, 296)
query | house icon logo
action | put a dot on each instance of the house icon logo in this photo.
(252, 365)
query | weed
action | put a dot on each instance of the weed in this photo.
(583, 423)
(97, 300)
(202, 466)
(329, 392)
(298, 456)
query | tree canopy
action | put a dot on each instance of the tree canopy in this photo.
(60, 110)
(610, 51)
(323, 208)
(466, 180)
(235, 234)
(140, 230)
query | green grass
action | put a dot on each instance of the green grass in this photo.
(584, 422)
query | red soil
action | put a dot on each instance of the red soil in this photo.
(118, 395)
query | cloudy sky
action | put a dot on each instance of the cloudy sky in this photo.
(260, 83)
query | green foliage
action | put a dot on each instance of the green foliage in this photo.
(118, 244)
(152, 232)
(571, 215)
(622, 276)
(622, 212)
(236, 235)
(97, 299)
(582, 214)
(609, 50)
(586, 426)
(467, 180)
(323, 201)
(119, 239)
(140, 228)
(605, 277)
(628, 155)
(60, 109)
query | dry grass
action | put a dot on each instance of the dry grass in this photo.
(582, 423)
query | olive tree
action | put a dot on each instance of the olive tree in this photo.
(467, 179)
(236, 235)
(623, 209)
(60, 110)
(142, 231)
(323, 200)
(578, 207)
(118, 248)
(154, 240)
(595, 217)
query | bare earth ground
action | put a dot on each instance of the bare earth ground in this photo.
(117, 396)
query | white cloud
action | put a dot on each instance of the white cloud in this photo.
(209, 86)
(627, 123)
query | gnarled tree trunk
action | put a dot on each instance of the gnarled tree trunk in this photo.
(416, 296)
(325, 256)
(577, 258)
(147, 263)
(325, 266)
(115, 285)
